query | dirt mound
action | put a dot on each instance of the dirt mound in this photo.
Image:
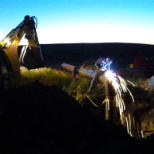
(43, 119)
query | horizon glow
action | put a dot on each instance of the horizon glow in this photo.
(83, 21)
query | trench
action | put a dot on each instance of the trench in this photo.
(43, 119)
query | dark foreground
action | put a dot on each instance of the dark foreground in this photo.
(36, 119)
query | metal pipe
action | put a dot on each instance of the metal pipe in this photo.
(80, 71)
(86, 73)
(90, 74)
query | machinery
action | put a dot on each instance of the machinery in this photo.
(30, 55)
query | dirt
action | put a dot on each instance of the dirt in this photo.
(38, 119)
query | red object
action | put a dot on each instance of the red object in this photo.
(140, 61)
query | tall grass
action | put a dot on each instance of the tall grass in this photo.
(76, 87)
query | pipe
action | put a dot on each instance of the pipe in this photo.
(85, 73)
(90, 74)
(76, 70)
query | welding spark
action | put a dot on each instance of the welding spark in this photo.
(120, 87)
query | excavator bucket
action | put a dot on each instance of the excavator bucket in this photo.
(30, 56)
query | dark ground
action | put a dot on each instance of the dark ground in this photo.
(37, 119)
(122, 54)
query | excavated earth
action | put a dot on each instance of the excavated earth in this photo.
(38, 119)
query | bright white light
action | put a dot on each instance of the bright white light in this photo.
(96, 33)
(120, 87)
(23, 41)
(93, 33)
(1, 36)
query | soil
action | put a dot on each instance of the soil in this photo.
(38, 119)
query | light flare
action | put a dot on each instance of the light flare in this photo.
(120, 87)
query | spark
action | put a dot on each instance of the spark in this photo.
(127, 124)
(131, 83)
(142, 133)
(130, 125)
(120, 87)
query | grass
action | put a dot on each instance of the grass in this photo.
(76, 87)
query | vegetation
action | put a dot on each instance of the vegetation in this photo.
(76, 87)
